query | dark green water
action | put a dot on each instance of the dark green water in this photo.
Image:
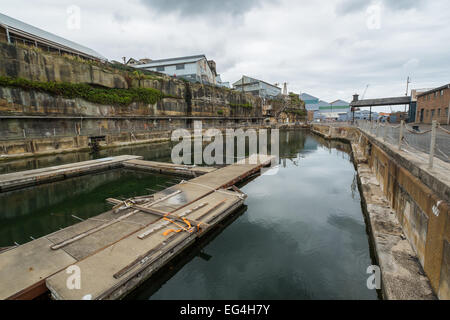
(38, 211)
(156, 152)
(301, 235)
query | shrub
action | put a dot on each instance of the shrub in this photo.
(112, 96)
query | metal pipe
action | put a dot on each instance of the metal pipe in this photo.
(7, 35)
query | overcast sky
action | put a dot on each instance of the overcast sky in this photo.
(328, 50)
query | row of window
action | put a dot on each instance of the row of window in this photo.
(433, 113)
(178, 67)
(435, 95)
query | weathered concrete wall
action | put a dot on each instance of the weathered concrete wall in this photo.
(420, 200)
(36, 65)
(35, 122)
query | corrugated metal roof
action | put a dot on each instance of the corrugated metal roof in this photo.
(171, 61)
(323, 104)
(14, 24)
(340, 103)
(307, 97)
(254, 80)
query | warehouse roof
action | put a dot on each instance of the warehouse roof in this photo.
(28, 31)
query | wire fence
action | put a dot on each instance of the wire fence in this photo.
(431, 143)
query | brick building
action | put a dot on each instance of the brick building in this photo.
(434, 105)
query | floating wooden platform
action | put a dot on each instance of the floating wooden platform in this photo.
(18, 180)
(23, 179)
(168, 168)
(119, 249)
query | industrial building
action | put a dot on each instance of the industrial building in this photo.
(14, 31)
(193, 68)
(433, 105)
(257, 87)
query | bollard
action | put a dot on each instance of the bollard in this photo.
(400, 137)
(433, 144)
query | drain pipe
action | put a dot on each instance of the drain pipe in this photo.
(7, 33)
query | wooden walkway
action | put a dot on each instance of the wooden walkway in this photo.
(168, 168)
(23, 179)
(18, 180)
(119, 249)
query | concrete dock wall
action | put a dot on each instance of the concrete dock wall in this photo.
(34, 122)
(418, 196)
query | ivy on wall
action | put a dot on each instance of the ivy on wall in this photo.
(100, 95)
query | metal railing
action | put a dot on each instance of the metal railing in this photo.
(433, 142)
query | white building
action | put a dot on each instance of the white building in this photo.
(192, 68)
(257, 87)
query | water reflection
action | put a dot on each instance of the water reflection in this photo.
(303, 236)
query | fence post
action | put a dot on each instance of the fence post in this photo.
(378, 129)
(400, 137)
(385, 132)
(433, 144)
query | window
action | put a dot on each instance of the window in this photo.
(432, 114)
(446, 112)
(160, 69)
(442, 92)
(439, 112)
(180, 66)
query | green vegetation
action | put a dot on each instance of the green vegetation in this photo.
(220, 112)
(243, 105)
(122, 97)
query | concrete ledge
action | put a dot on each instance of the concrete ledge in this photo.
(402, 275)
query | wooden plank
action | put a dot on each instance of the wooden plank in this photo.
(107, 224)
(160, 213)
(132, 255)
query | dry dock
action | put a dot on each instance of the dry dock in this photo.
(119, 249)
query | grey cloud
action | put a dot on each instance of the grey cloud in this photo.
(199, 7)
(351, 6)
(403, 4)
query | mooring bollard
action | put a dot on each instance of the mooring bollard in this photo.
(400, 137)
(433, 144)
